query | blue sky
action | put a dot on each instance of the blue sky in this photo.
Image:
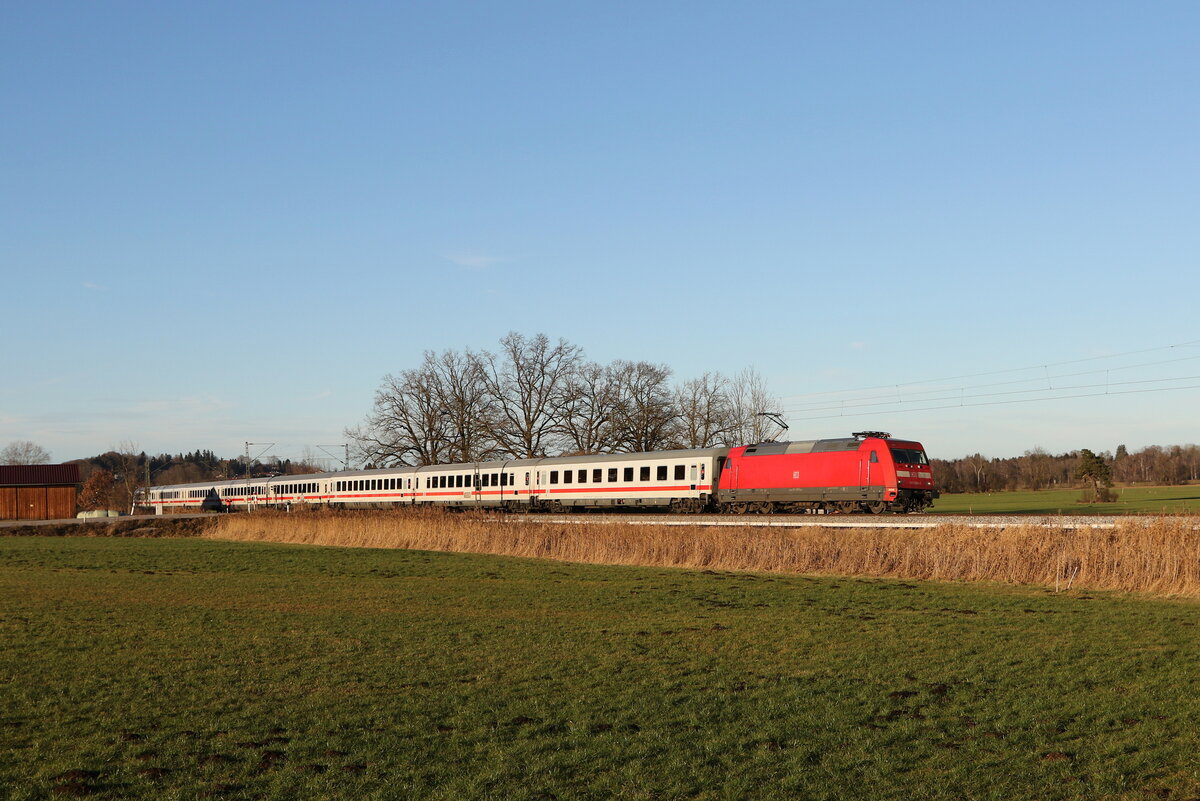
(223, 222)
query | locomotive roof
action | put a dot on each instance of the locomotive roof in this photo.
(815, 446)
(803, 446)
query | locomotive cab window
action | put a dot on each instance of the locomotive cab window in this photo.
(908, 456)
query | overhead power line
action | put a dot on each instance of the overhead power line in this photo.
(1044, 367)
(1047, 384)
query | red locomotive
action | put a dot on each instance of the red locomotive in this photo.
(870, 472)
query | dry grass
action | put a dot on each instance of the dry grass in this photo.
(1162, 557)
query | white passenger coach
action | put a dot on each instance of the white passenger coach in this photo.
(682, 480)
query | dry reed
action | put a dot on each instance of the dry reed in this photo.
(1160, 557)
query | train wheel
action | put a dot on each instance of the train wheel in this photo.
(739, 508)
(764, 508)
(874, 507)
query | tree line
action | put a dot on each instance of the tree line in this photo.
(534, 397)
(1036, 469)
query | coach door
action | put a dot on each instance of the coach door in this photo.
(729, 477)
(868, 466)
(476, 494)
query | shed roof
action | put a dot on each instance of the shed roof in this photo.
(37, 475)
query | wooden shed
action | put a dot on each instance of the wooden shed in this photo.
(38, 491)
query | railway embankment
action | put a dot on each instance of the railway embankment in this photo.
(133, 526)
(1160, 556)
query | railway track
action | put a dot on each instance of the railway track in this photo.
(840, 521)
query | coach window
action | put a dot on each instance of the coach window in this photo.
(628, 474)
(644, 473)
(485, 479)
(612, 474)
(582, 476)
(679, 472)
(495, 479)
(597, 475)
(568, 476)
(553, 476)
(662, 472)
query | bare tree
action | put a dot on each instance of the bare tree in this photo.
(23, 451)
(466, 405)
(528, 383)
(645, 417)
(978, 465)
(748, 396)
(588, 408)
(438, 412)
(129, 473)
(406, 425)
(705, 411)
(1034, 468)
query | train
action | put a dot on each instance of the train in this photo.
(869, 471)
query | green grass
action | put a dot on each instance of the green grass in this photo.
(182, 669)
(1132, 500)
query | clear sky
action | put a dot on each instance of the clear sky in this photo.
(225, 222)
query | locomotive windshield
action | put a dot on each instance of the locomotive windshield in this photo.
(909, 456)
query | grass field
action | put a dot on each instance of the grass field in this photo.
(181, 669)
(1133, 500)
